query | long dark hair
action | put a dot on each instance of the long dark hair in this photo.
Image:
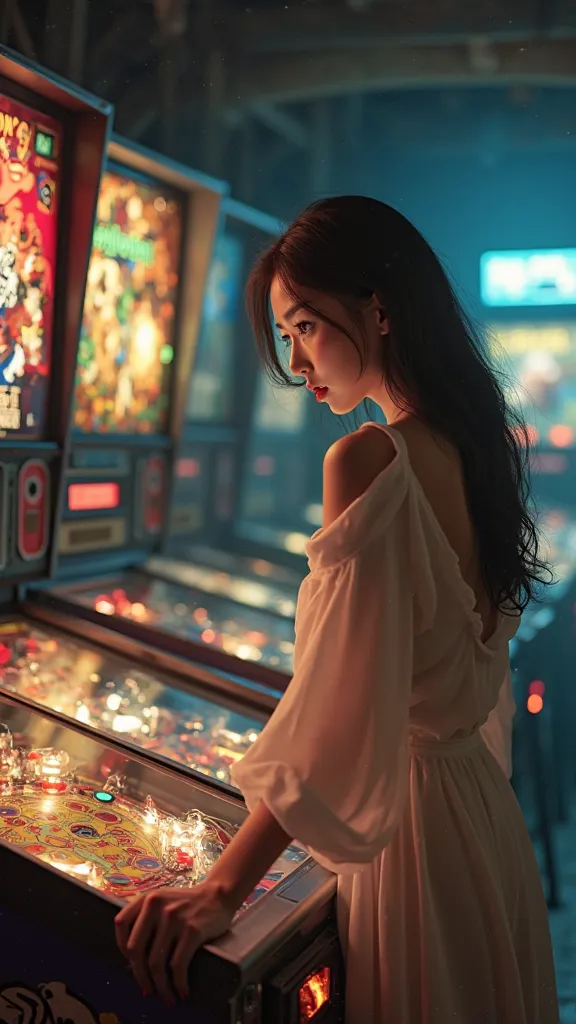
(435, 364)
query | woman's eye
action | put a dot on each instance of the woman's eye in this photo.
(303, 327)
(285, 340)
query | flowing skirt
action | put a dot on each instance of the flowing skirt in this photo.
(449, 924)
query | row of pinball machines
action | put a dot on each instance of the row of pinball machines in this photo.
(530, 300)
(115, 752)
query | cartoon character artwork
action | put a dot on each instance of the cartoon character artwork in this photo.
(52, 1003)
(29, 181)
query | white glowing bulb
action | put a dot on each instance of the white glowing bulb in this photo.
(126, 723)
(83, 714)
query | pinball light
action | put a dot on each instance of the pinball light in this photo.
(52, 767)
(314, 994)
(126, 724)
(535, 703)
(561, 435)
(7, 754)
(85, 871)
(6, 740)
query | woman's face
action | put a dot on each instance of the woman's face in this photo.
(323, 355)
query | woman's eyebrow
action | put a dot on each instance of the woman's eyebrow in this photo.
(290, 312)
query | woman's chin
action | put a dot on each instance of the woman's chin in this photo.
(338, 405)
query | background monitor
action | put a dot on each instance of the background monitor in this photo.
(530, 277)
(30, 165)
(126, 349)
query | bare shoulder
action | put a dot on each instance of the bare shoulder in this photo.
(351, 464)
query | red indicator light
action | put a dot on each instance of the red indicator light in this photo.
(537, 687)
(187, 468)
(314, 994)
(264, 465)
(561, 435)
(91, 497)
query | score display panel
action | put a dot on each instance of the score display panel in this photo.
(126, 346)
(30, 174)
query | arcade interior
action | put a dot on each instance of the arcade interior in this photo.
(156, 497)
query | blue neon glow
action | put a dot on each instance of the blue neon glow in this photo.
(528, 277)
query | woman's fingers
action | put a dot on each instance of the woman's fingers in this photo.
(144, 927)
(123, 924)
(187, 945)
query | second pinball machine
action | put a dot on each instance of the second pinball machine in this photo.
(236, 616)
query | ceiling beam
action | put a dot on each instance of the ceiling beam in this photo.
(322, 26)
(478, 63)
(282, 123)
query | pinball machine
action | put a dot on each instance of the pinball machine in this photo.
(85, 826)
(93, 810)
(236, 615)
(531, 299)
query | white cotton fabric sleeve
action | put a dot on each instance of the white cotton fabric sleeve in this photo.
(331, 765)
(497, 730)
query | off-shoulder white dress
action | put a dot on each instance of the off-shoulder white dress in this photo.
(388, 758)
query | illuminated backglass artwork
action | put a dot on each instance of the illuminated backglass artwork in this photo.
(540, 362)
(30, 155)
(212, 383)
(126, 349)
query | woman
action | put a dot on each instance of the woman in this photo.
(389, 755)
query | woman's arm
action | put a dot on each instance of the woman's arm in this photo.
(246, 860)
(160, 933)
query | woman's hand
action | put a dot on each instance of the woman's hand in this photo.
(163, 930)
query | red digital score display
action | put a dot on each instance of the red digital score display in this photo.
(187, 468)
(92, 497)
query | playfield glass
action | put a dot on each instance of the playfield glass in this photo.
(106, 820)
(211, 385)
(110, 695)
(540, 362)
(244, 587)
(210, 620)
(125, 354)
(30, 166)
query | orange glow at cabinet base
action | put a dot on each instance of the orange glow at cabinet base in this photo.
(91, 497)
(314, 994)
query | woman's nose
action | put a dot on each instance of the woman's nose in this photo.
(298, 363)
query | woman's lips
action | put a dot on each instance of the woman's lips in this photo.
(320, 393)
